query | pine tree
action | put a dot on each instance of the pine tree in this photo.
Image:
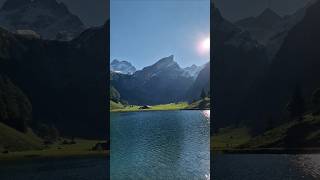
(203, 94)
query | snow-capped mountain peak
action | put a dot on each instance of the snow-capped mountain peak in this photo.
(122, 67)
(193, 71)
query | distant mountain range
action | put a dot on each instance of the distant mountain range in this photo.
(125, 67)
(47, 18)
(270, 29)
(163, 82)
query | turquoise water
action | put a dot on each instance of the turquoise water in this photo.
(160, 145)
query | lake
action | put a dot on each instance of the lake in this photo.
(265, 167)
(160, 145)
(93, 168)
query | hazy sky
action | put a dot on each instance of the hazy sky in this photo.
(91, 12)
(143, 32)
(237, 9)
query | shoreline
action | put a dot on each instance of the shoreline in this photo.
(39, 155)
(80, 149)
(147, 110)
(268, 151)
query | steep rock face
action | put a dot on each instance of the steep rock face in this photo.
(193, 71)
(297, 63)
(122, 67)
(48, 18)
(15, 107)
(202, 82)
(64, 81)
(238, 61)
(162, 82)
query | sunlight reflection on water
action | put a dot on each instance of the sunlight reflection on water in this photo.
(310, 164)
(206, 113)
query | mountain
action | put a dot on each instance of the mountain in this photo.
(202, 81)
(296, 64)
(162, 82)
(114, 94)
(122, 67)
(48, 18)
(261, 27)
(15, 106)
(65, 82)
(270, 29)
(193, 70)
(266, 19)
(238, 61)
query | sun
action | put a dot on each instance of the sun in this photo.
(204, 46)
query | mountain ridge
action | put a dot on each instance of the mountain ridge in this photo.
(49, 18)
(160, 83)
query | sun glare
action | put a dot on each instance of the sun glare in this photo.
(204, 46)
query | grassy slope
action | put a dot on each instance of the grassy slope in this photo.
(230, 138)
(13, 140)
(296, 134)
(200, 104)
(28, 145)
(82, 148)
(114, 105)
(117, 107)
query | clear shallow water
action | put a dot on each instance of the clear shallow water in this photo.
(265, 167)
(160, 145)
(56, 169)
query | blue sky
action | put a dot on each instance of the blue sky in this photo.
(144, 31)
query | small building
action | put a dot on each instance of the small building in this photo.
(145, 107)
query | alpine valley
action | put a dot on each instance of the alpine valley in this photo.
(266, 80)
(161, 83)
(51, 91)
